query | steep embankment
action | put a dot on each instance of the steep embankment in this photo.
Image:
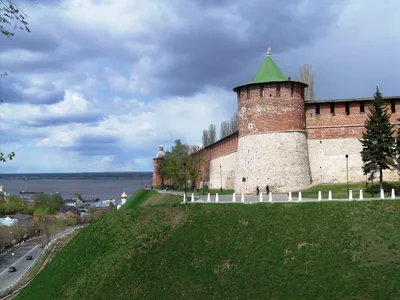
(324, 250)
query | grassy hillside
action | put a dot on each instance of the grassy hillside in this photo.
(149, 197)
(323, 250)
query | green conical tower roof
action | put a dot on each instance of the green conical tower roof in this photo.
(268, 72)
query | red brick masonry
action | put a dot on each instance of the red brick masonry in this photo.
(346, 120)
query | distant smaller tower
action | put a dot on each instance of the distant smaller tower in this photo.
(157, 180)
(123, 198)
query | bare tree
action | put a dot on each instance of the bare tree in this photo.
(229, 127)
(205, 138)
(234, 123)
(306, 75)
(225, 129)
(212, 134)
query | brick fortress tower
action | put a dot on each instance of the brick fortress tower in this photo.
(272, 145)
(157, 180)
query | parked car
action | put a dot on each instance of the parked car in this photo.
(12, 269)
(29, 257)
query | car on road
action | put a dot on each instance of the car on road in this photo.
(12, 269)
(29, 257)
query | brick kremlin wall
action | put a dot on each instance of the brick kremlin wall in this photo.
(343, 124)
(214, 153)
(333, 135)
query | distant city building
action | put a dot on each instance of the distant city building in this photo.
(123, 198)
(7, 221)
(17, 219)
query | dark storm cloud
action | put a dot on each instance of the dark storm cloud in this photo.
(207, 49)
(11, 91)
(215, 54)
(104, 145)
(50, 121)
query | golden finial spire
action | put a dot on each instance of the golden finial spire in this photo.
(269, 51)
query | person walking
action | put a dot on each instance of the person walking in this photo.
(267, 190)
(258, 190)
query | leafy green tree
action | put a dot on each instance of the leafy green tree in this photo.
(11, 15)
(378, 143)
(173, 164)
(397, 151)
(50, 203)
(194, 161)
(14, 205)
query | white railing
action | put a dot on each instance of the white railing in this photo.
(283, 198)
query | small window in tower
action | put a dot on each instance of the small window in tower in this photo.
(292, 88)
(347, 108)
(317, 109)
(393, 106)
(332, 109)
(248, 92)
(244, 179)
(261, 90)
(362, 109)
(278, 90)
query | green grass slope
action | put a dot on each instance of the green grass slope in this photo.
(138, 199)
(323, 250)
(144, 197)
(339, 190)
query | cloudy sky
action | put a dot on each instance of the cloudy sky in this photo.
(98, 85)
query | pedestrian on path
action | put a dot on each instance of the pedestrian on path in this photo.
(258, 190)
(267, 190)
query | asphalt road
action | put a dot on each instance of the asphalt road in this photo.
(19, 261)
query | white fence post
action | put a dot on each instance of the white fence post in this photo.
(361, 195)
(192, 198)
(208, 197)
(216, 198)
(270, 197)
(393, 194)
(261, 197)
(290, 197)
(319, 196)
(184, 198)
(350, 195)
(234, 197)
(300, 198)
(329, 195)
(382, 194)
(242, 199)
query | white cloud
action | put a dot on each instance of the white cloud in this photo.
(72, 104)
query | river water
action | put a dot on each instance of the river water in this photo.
(89, 185)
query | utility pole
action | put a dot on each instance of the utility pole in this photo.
(184, 174)
(347, 171)
(220, 175)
